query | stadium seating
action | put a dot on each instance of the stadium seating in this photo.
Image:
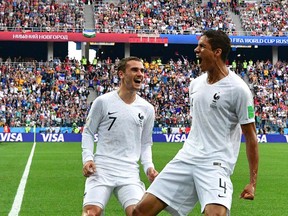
(41, 16)
(170, 17)
(54, 93)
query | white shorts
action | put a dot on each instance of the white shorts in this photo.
(100, 186)
(181, 186)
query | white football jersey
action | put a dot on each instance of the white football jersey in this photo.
(124, 134)
(217, 112)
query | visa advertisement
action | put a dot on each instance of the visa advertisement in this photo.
(68, 137)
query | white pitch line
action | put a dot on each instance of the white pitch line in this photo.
(21, 188)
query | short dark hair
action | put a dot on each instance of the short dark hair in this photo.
(123, 62)
(219, 39)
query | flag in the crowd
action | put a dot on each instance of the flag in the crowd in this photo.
(89, 33)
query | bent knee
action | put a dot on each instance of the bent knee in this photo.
(150, 205)
(215, 210)
(91, 210)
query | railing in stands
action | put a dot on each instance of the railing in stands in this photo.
(27, 64)
(130, 31)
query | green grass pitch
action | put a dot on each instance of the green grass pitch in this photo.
(55, 183)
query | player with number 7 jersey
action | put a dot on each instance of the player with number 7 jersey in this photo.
(121, 129)
(124, 123)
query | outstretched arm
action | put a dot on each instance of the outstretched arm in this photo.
(249, 132)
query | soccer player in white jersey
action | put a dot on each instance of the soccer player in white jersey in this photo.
(221, 106)
(124, 123)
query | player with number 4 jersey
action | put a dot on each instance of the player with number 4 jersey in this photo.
(222, 109)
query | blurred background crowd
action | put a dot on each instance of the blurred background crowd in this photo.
(59, 92)
(150, 16)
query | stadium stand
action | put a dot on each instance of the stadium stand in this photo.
(265, 18)
(55, 92)
(170, 17)
(41, 16)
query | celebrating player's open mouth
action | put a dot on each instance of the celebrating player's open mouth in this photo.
(200, 61)
(199, 58)
(138, 81)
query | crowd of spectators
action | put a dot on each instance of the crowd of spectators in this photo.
(41, 15)
(149, 16)
(192, 17)
(171, 17)
(52, 93)
(55, 93)
(269, 18)
(270, 86)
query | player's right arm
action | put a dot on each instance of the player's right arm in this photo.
(89, 168)
(91, 127)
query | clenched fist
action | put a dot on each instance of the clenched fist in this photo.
(89, 168)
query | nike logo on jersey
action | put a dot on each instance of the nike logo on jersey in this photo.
(193, 92)
(221, 196)
(110, 113)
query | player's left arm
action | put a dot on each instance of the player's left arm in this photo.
(146, 146)
(249, 132)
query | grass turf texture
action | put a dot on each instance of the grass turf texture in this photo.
(55, 184)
